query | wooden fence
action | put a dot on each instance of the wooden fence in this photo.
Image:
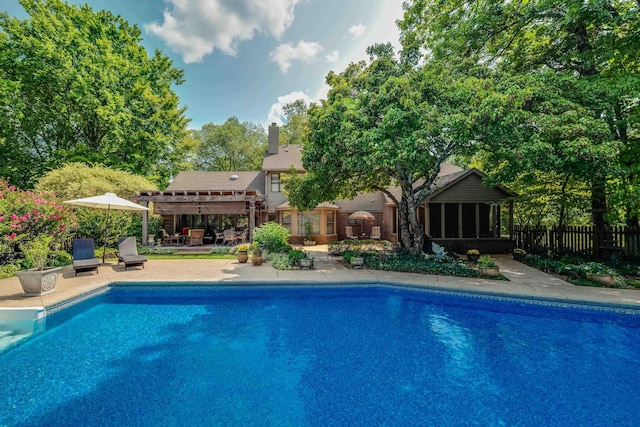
(616, 240)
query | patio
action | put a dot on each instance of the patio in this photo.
(523, 281)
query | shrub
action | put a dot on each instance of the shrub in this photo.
(473, 252)
(519, 251)
(485, 261)
(279, 261)
(243, 248)
(255, 248)
(271, 236)
(220, 250)
(295, 256)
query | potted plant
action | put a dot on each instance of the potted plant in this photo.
(487, 266)
(473, 255)
(40, 279)
(600, 273)
(243, 253)
(518, 254)
(308, 234)
(256, 254)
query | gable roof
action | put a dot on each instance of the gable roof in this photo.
(219, 181)
(287, 156)
(449, 176)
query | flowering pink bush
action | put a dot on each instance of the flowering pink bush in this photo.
(27, 214)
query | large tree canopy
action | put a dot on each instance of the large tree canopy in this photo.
(231, 146)
(385, 124)
(76, 85)
(587, 51)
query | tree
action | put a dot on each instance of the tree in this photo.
(78, 86)
(588, 51)
(385, 124)
(232, 146)
(296, 129)
(77, 180)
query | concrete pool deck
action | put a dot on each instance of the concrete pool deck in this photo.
(523, 281)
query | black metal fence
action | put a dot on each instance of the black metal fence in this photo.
(616, 240)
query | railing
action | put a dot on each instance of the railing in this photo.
(579, 239)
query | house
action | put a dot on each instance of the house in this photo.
(460, 212)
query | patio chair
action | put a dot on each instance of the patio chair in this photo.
(219, 237)
(242, 237)
(375, 232)
(195, 236)
(128, 253)
(84, 256)
(350, 234)
(229, 237)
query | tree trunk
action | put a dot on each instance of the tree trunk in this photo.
(412, 231)
(598, 210)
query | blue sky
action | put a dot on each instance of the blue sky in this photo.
(247, 58)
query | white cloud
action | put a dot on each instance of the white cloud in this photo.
(333, 56)
(303, 51)
(276, 112)
(194, 28)
(357, 30)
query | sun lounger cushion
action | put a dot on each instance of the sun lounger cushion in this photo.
(128, 253)
(84, 258)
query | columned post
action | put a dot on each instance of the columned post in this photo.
(477, 220)
(442, 227)
(145, 225)
(252, 218)
(460, 220)
(494, 212)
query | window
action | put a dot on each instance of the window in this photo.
(331, 219)
(313, 218)
(286, 220)
(275, 182)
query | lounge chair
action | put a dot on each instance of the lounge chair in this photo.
(128, 253)
(375, 232)
(350, 234)
(195, 236)
(84, 256)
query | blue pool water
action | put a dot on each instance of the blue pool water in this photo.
(322, 356)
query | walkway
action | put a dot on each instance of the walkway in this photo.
(523, 281)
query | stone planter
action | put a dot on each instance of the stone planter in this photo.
(490, 271)
(604, 279)
(256, 259)
(38, 282)
(243, 257)
(357, 262)
(309, 242)
(306, 263)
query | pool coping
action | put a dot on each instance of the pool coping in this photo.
(524, 299)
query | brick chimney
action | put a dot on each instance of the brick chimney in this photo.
(274, 138)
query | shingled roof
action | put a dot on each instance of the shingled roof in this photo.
(287, 156)
(219, 181)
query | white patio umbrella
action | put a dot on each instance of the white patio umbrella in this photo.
(107, 201)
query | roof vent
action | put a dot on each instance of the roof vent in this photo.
(233, 177)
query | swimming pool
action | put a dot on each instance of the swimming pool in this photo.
(173, 355)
